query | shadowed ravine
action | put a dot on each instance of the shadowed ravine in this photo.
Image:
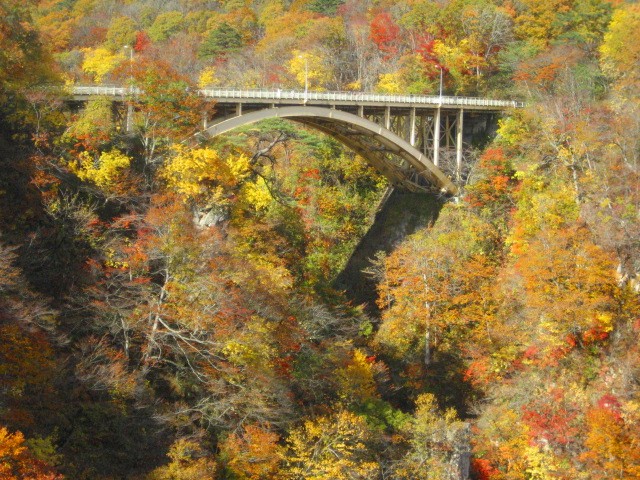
(402, 214)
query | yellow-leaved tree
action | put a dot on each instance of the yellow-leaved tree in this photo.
(312, 67)
(189, 461)
(336, 447)
(439, 442)
(100, 62)
(105, 170)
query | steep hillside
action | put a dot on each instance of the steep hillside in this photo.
(177, 310)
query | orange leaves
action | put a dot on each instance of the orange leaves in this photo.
(18, 463)
(497, 180)
(438, 286)
(253, 454)
(568, 282)
(612, 441)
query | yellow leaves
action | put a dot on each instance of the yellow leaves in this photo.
(356, 85)
(619, 55)
(356, 382)
(197, 174)
(541, 464)
(251, 346)
(100, 62)
(257, 194)
(611, 440)
(310, 66)
(604, 322)
(201, 175)
(390, 83)
(189, 461)
(460, 60)
(541, 206)
(208, 78)
(104, 170)
(537, 22)
(332, 447)
(435, 436)
(17, 462)
(56, 27)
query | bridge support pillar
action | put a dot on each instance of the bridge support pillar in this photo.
(238, 109)
(436, 137)
(129, 119)
(361, 111)
(387, 118)
(205, 120)
(412, 126)
(459, 130)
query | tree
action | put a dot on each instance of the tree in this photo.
(385, 33)
(106, 170)
(220, 42)
(165, 25)
(618, 58)
(325, 7)
(439, 443)
(100, 62)
(189, 461)
(253, 454)
(612, 446)
(17, 462)
(24, 62)
(310, 67)
(93, 128)
(122, 32)
(169, 110)
(331, 447)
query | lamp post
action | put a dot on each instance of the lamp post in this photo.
(128, 47)
(129, 120)
(306, 79)
(441, 74)
(305, 57)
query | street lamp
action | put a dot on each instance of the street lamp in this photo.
(306, 76)
(306, 79)
(129, 119)
(128, 47)
(441, 70)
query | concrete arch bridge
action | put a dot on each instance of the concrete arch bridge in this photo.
(418, 142)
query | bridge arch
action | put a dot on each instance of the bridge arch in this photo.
(404, 165)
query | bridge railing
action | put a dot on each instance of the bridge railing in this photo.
(358, 97)
(284, 95)
(107, 90)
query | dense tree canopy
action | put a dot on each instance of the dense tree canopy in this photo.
(168, 307)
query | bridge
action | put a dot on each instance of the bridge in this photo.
(418, 142)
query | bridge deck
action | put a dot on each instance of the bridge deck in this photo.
(416, 141)
(295, 97)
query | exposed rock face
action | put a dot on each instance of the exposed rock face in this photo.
(211, 215)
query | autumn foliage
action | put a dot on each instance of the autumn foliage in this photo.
(169, 306)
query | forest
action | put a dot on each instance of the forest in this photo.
(169, 310)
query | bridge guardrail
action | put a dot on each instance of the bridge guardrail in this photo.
(279, 94)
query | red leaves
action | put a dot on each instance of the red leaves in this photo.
(611, 404)
(384, 32)
(482, 469)
(142, 42)
(551, 420)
